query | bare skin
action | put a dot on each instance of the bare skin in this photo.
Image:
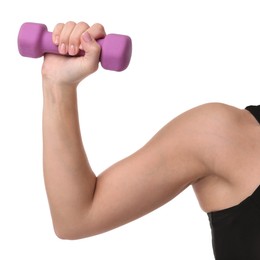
(213, 147)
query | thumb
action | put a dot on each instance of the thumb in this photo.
(92, 51)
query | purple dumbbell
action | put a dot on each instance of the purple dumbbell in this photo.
(34, 40)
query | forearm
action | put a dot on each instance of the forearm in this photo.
(70, 182)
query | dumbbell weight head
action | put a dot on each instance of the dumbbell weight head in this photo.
(29, 39)
(34, 40)
(116, 51)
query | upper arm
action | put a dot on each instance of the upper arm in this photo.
(166, 165)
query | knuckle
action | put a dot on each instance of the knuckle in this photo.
(83, 25)
(70, 24)
(58, 26)
(58, 29)
(99, 27)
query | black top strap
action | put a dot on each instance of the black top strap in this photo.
(255, 111)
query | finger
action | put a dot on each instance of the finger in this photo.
(91, 47)
(97, 31)
(56, 33)
(92, 51)
(65, 37)
(75, 37)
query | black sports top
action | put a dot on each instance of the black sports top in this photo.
(236, 230)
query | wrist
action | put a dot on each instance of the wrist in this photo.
(54, 93)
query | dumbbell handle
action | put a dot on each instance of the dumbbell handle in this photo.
(49, 47)
(115, 54)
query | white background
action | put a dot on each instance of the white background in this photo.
(185, 53)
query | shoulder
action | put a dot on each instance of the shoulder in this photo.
(208, 123)
(214, 122)
(215, 112)
(219, 125)
(213, 133)
(199, 136)
(231, 153)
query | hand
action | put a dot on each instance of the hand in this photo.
(61, 70)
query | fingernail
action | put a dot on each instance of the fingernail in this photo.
(63, 49)
(86, 37)
(56, 40)
(72, 50)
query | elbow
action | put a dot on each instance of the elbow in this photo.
(70, 232)
(65, 235)
(74, 227)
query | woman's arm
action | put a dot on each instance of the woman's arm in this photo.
(82, 204)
